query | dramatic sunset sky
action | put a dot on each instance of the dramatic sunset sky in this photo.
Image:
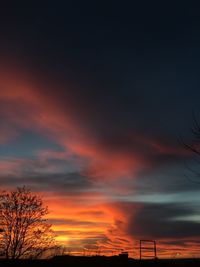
(93, 100)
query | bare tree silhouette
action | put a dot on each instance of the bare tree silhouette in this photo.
(194, 148)
(24, 231)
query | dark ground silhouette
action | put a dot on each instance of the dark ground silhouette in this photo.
(99, 261)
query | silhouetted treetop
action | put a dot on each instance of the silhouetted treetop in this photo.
(25, 232)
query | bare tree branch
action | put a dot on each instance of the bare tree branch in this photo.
(26, 234)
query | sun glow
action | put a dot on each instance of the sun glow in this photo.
(62, 239)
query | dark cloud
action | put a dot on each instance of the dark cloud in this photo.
(69, 183)
(161, 221)
(166, 178)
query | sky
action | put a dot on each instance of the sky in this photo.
(94, 99)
